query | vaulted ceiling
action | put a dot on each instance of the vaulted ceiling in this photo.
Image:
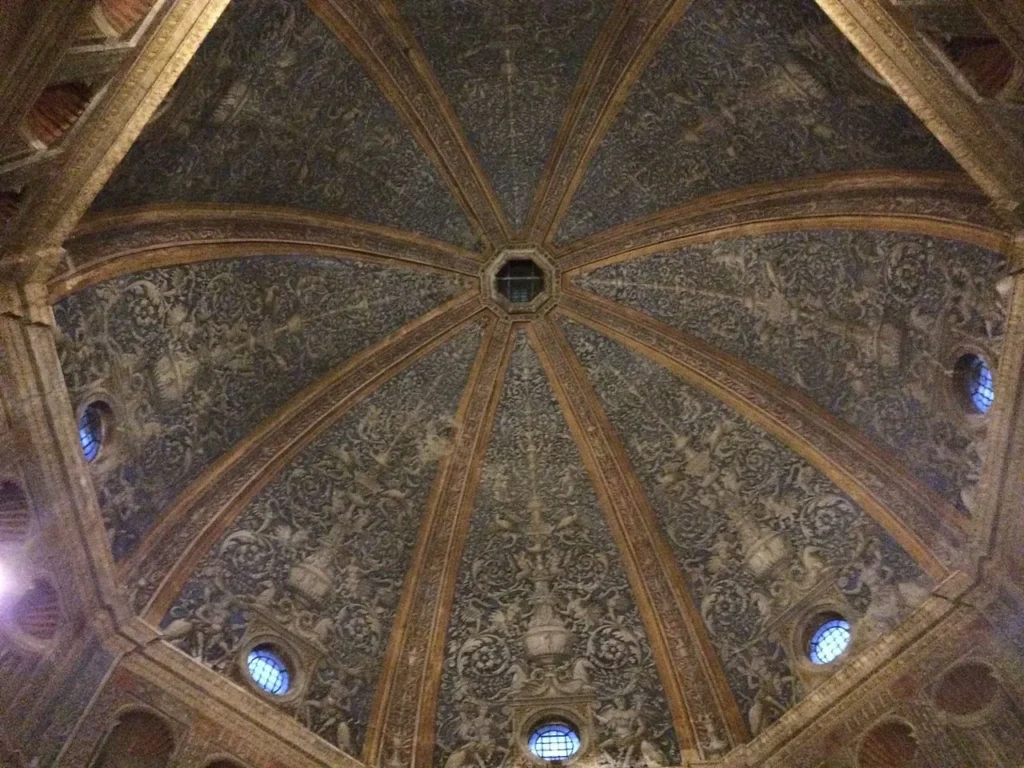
(736, 405)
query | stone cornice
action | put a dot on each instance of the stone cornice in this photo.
(376, 35)
(109, 245)
(401, 730)
(626, 44)
(55, 204)
(937, 204)
(885, 36)
(931, 530)
(166, 557)
(694, 682)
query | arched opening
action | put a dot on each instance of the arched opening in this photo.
(14, 513)
(139, 740)
(118, 17)
(37, 613)
(56, 111)
(888, 745)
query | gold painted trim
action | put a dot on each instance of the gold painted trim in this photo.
(886, 37)
(158, 568)
(375, 34)
(53, 208)
(618, 57)
(934, 204)
(401, 730)
(930, 529)
(110, 245)
(690, 671)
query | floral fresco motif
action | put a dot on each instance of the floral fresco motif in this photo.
(540, 562)
(274, 110)
(754, 526)
(866, 323)
(324, 548)
(777, 95)
(509, 68)
(193, 358)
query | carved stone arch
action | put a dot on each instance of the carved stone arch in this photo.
(889, 743)
(15, 513)
(116, 18)
(56, 111)
(139, 738)
(35, 619)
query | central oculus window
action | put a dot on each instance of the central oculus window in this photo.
(520, 281)
(554, 742)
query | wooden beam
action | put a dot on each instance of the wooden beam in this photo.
(109, 245)
(375, 34)
(401, 730)
(933, 204)
(157, 569)
(691, 673)
(915, 69)
(924, 524)
(55, 204)
(629, 39)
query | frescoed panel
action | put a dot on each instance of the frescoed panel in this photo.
(509, 68)
(322, 552)
(755, 528)
(274, 110)
(743, 92)
(193, 358)
(540, 562)
(868, 324)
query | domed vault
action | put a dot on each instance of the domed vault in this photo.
(622, 501)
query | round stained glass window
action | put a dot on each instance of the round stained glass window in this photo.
(829, 641)
(554, 741)
(268, 670)
(975, 379)
(91, 428)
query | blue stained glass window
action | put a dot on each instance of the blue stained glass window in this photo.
(979, 384)
(829, 641)
(554, 741)
(90, 431)
(268, 670)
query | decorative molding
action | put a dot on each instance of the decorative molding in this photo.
(164, 559)
(109, 245)
(998, 531)
(626, 44)
(885, 36)
(694, 681)
(936, 204)
(931, 530)
(401, 728)
(53, 208)
(375, 34)
(1006, 19)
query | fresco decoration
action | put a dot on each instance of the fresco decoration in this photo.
(274, 110)
(865, 323)
(324, 548)
(193, 358)
(776, 97)
(540, 560)
(509, 69)
(755, 528)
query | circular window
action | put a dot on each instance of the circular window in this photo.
(93, 427)
(974, 381)
(829, 641)
(268, 670)
(554, 741)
